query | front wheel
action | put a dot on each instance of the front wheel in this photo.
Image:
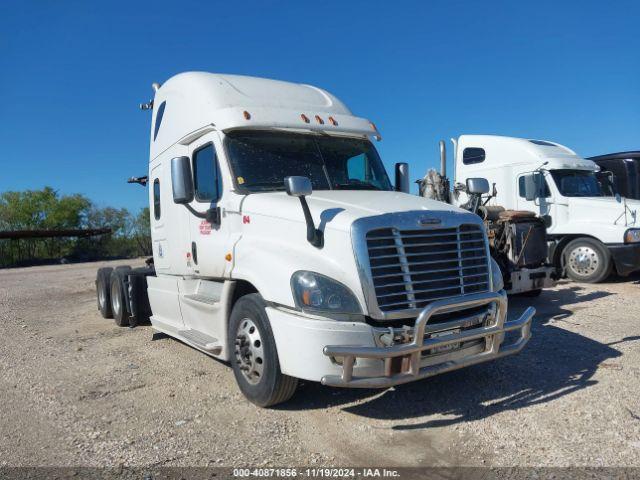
(587, 260)
(254, 356)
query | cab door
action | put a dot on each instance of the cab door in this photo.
(209, 240)
(161, 252)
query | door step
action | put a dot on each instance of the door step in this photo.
(202, 340)
(198, 297)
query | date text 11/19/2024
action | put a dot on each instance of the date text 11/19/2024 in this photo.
(316, 472)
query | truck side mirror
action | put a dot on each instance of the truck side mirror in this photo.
(298, 186)
(402, 177)
(477, 186)
(530, 187)
(301, 187)
(181, 180)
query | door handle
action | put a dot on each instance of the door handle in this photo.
(194, 252)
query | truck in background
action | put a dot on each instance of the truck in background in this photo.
(625, 170)
(517, 239)
(281, 246)
(590, 230)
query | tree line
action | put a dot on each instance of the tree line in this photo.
(46, 209)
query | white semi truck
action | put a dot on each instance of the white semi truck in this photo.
(517, 239)
(281, 246)
(590, 230)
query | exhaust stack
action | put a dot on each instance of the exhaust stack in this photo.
(443, 159)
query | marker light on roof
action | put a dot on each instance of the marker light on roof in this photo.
(333, 121)
(377, 135)
(304, 118)
(247, 115)
(319, 120)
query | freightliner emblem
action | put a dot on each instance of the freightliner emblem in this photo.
(429, 221)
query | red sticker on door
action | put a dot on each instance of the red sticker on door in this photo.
(205, 228)
(246, 219)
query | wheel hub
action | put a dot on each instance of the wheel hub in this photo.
(584, 260)
(249, 351)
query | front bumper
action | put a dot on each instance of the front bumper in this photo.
(407, 362)
(625, 257)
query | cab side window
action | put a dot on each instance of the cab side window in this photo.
(156, 199)
(159, 116)
(356, 167)
(473, 155)
(206, 174)
(359, 171)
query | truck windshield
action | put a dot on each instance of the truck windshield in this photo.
(261, 160)
(578, 183)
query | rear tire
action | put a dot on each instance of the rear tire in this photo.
(254, 357)
(119, 297)
(587, 260)
(103, 293)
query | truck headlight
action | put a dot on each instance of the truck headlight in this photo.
(315, 292)
(632, 235)
(496, 276)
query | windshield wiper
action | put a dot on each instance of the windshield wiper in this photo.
(356, 186)
(264, 186)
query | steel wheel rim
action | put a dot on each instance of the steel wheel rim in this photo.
(115, 297)
(584, 260)
(249, 351)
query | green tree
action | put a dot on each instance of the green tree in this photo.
(142, 231)
(46, 209)
(35, 210)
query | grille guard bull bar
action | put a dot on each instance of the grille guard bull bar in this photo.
(493, 333)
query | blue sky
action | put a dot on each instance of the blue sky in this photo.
(72, 74)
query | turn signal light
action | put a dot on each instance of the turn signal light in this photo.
(306, 297)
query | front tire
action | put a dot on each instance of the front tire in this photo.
(254, 357)
(587, 260)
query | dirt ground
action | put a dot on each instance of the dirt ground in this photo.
(76, 389)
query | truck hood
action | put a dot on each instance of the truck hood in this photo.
(605, 210)
(336, 209)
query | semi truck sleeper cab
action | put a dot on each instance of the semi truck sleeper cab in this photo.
(281, 246)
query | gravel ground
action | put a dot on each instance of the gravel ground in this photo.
(77, 390)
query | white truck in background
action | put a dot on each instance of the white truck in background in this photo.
(517, 238)
(281, 246)
(590, 230)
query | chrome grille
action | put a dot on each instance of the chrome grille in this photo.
(411, 268)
